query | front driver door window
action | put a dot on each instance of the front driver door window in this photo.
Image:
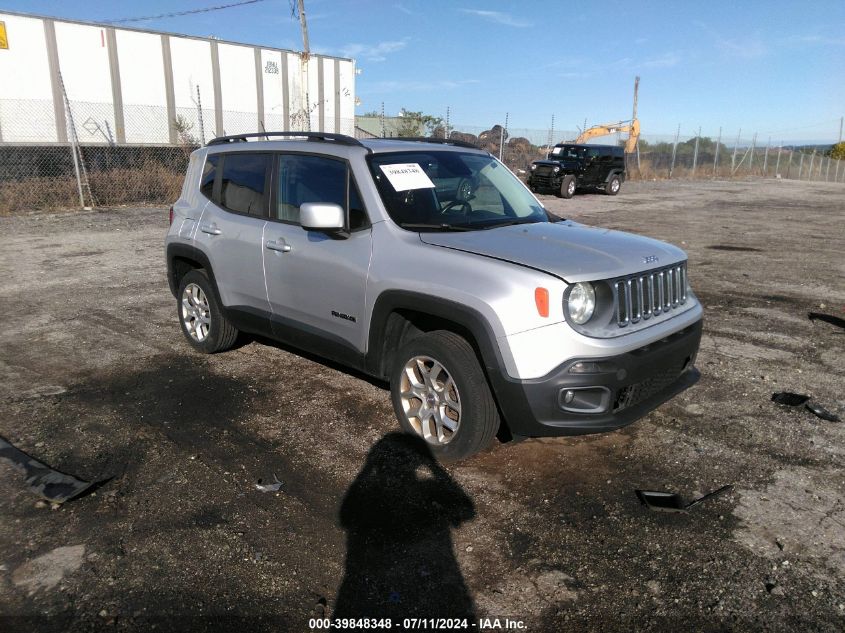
(316, 282)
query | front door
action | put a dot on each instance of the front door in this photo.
(316, 283)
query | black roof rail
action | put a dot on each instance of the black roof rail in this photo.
(442, 141)
(340, 139)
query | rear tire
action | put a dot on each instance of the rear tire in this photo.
(613, 185)
(203, 323)
(567, 187)
(440, 393)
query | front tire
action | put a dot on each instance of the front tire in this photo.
(440, 393)
(613, 186)
(567, 187)
(203, 323)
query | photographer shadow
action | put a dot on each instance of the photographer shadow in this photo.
(398, 515)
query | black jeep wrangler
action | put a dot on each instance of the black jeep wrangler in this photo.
(569, 167)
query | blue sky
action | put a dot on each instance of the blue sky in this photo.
(772, 67)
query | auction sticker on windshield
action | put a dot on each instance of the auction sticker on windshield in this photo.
(407, 176)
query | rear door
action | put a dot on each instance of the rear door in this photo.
(316, 282)
(231, 230)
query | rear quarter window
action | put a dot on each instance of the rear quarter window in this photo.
(209, 173)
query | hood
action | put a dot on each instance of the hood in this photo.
(568, 250)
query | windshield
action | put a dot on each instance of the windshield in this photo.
(567, 151)
(443, 190)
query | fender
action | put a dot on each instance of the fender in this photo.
(174, 250)
(615, 172)
(468, 318)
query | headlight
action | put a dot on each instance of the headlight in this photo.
(582, 302)
(533, 166)
(557, 169)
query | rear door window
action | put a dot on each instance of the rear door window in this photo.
(243, 183)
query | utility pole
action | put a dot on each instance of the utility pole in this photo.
(634, 114)
(840, 128)
(674, 151)
(304, 57)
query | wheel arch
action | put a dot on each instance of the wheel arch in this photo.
(182, 258)
(398, 316)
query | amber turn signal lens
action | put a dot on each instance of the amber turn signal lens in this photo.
(541, 298)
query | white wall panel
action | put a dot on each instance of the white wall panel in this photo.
(84, 64)
(347, 97)
(313, 92)
(296, 95)
(191, 61)
(142, 87)
(275, 92)
(237, 86)
(26, 96)
(328, 94)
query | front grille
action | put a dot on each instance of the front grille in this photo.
(543, 176)
(640, 391)
(647, 295)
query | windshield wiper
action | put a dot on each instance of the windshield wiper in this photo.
(441, 227)
(496, 225)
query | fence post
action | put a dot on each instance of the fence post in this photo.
(800, 165)
(716, 157)
(766, 159)
(674, 151)
(827, 171)
(777, 164)
(199, 115)
(751, 157)
(733, 157)
(836, 177)
(695, 152)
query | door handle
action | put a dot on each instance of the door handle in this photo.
(211, 229)
(280, 246)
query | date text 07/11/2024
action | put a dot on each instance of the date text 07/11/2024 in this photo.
(417, 624)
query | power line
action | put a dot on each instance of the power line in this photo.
(180, 13)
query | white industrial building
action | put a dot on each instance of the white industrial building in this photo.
(138, 87)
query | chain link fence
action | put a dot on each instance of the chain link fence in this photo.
(92, 169)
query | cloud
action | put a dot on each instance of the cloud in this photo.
(498, 17)
(751, 47)
(817, 40)
(373, 52)
(404, 9)
(667, 60)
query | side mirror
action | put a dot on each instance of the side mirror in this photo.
(321, 216)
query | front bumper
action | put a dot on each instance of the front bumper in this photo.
(632, 384)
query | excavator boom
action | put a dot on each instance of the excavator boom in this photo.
(606, 129)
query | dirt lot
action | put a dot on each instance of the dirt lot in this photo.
(96, 380)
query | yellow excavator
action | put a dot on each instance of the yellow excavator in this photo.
(632, 127)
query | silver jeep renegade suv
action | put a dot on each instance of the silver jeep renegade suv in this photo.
(428, 264)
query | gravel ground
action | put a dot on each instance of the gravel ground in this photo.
(96, 380)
